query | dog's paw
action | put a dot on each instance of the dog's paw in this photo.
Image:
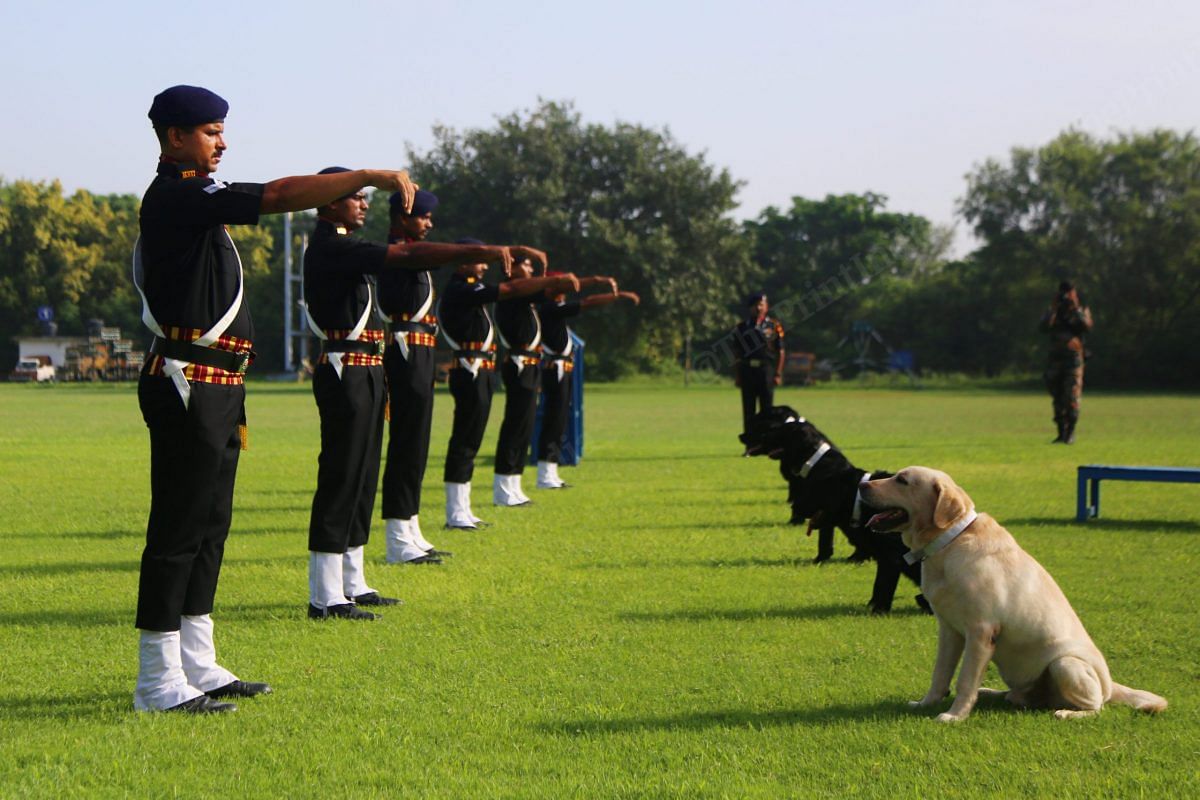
(948, 717)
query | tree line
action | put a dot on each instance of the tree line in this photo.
(1119, 216)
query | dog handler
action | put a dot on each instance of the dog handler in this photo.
(191, 390)
(557, 365)
(471, 334)
(1067, 321)
(349, 387)
(758, 368)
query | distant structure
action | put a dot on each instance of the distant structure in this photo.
(101, 355)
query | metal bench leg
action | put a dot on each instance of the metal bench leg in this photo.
(1081, 508)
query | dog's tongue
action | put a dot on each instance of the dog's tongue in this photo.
(883, 518)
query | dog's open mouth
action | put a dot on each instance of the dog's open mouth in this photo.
(888, 520)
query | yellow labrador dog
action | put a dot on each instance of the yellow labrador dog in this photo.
(993, 602)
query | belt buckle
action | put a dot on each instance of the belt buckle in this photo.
(243, 363)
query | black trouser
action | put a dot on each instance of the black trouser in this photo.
(520, 408)
(472, 404)
(410, 396)
(758, 386)
(348, 468)
(193, 462)
(555, 412)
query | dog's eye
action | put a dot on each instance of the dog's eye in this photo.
(900, 479)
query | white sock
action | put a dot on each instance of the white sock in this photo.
(161, 683)
(400, 544)
(199, 654)
(325, 579)
(354, 581)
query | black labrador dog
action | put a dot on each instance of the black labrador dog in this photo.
(823, 488)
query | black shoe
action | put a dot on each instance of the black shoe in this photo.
(341, 611)
(375, 599)
(460, 527)
(423, 560)
(435, 553)
(239, 689)
(203, 705)
(858, 556)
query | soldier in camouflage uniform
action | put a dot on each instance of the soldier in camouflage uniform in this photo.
(1067, 320)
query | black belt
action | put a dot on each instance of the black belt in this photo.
(352, 346)
(527, 353)
(199, 354)
(756, 362)
(408, 326)
(558, 357)
(471, 354)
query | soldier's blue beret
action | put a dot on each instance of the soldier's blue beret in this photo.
(754, 297)
(184, 106)
(424, 202)
(335, 170)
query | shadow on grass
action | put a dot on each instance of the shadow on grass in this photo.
(90, 706)
(831, 611)
(54, 568)
(1109, 525)
(731, 718)
(67, 535)
(93, 618)
(722, 563)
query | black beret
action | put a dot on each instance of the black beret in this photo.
(423, 203)
(754, 297)
(184, 106)
(467, 240)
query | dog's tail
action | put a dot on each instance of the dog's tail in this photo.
(1138, 699)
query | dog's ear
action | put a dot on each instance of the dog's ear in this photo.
(952, 502)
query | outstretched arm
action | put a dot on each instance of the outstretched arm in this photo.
(301, 192)
(608, 299)
(423, 255)
(523, 287)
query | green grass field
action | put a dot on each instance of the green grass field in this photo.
(656, 631)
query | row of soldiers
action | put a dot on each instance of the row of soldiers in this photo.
(192, 395)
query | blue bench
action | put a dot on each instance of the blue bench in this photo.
(1088, 503)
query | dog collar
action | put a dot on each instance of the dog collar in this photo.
(814, 458)
(944, 538)
(856, 514)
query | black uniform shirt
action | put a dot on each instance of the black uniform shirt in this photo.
(760, 340)
(518, 321)
(462, 314)
(189, 263)
(554, 316)
(403, 291)
(337, 274)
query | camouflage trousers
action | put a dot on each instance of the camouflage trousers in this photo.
(1064, 380)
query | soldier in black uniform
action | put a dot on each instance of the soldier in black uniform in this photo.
(470, 333)
(191, 389)
(758, 367)
(558, 362)
(520, 331)
(349, 387)
(407, 298)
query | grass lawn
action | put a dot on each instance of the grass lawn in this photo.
(656, 631)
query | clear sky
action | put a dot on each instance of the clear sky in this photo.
(798, 98)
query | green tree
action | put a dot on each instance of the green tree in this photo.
(623, 200)
(70, 253)
(1122, 218)
(827, 263)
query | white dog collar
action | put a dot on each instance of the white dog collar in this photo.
(814, 458)
(856, 514)
(946, 537)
